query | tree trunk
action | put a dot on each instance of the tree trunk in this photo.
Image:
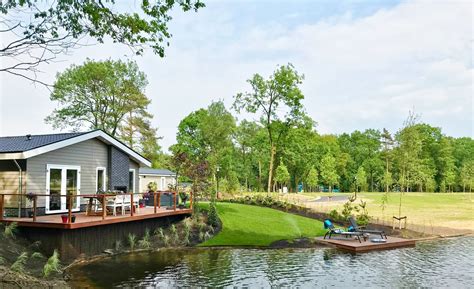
(259, 175)
(270, 169)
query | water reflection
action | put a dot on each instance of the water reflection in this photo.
(441, 263)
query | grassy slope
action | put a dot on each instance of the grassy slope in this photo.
(244, 225)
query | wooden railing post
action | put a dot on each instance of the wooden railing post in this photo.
(104, 208)
(35, 201)
(191, 199)
(174, 197)
(132, 205)
(154, 201)
(159, 199)
(69, 214)
(2, 202)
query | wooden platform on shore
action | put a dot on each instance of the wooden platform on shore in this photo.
(353, 245)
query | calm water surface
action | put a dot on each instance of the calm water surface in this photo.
(442, 263)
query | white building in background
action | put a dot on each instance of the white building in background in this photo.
(162, 177)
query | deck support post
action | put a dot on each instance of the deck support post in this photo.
(132, 205)
(154, 201)
(69, 213)
(159, 200)
(104, 208)
(35, 201)
(174, 200)
(2, 202)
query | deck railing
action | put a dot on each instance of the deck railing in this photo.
(100, 197)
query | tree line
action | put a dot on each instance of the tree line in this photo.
(281, 148)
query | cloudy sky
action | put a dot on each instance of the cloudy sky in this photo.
(366, 64)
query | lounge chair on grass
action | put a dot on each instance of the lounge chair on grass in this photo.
(333, 231)
(362, 229)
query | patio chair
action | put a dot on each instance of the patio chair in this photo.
(362, 229)
(114, 203)
(127, 203)
(333, 231)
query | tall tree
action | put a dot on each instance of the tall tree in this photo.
(361, 179)
(107, 95)
(387, 143)
(328, 171)
(282, 176)
(278, 100)
(35, 32)
(312, 179)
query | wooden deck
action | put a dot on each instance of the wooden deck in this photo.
(353, 245)
(82, 220)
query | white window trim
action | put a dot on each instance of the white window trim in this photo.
(97, 178)
(133, 189)
(63, 186)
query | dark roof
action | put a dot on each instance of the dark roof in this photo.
(159, 172)
(16, 144)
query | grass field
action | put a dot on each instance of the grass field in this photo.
(451, 210)
(244, 225)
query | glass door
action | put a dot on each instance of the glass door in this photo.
(62, 181)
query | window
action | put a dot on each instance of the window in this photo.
(100, 180)
(131, 181)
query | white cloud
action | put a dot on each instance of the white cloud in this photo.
(360, 72)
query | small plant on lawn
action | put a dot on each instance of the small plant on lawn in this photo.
(132, 241)
(19, 264)
(145, 242)
(10, 230)
(348, 207)
(363, 217)
(52, 265)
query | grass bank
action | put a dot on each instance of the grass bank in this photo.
(245, 225)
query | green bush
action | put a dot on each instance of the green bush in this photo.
(213, 218)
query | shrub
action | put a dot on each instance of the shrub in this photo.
(335, 216)
(2, 261)
(213, 218)
(145, 242)
(166, 240)
(37, 255)
(160, 234)
(52, 265)
(19, 264)
(10, 230)
(132, 240)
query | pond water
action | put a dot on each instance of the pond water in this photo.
(447, 263)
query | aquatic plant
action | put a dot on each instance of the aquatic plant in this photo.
(186, 240)
(2, 261)
(132, 240)
(10, 230)
(207, 236)
(19, 264)
(201, 236)
(52, 265)
(160, 234)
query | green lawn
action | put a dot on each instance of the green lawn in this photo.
(244, 225)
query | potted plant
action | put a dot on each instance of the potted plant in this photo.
(65, 217)
(30, 197)
(184, 197)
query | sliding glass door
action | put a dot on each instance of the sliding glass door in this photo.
(62, 181)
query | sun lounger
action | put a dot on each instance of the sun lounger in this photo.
(334, 231)
(362, 229)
